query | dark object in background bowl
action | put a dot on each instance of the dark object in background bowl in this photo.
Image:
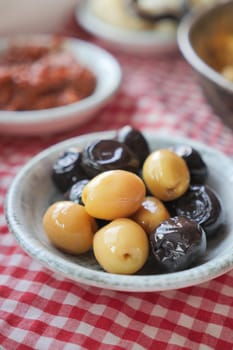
(195, 33)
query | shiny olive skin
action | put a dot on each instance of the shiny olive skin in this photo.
(103, 155)
(74, 194)
(202, 204)
(196, 165)
(177, 243)
(67, 170)
(135, 140)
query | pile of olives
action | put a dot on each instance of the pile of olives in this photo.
(134, 209)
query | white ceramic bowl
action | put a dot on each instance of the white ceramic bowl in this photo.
(127, 40)
(32, 191)
(38, 122)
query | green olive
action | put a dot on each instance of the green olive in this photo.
(113, 194)
(166, 174)
(121, 247)
(69, 227)
(150, 214)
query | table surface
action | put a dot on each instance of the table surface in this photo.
(41, 310)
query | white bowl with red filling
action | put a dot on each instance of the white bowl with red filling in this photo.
(25, 219)
(51, 84)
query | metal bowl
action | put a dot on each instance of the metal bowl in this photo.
(202, 40)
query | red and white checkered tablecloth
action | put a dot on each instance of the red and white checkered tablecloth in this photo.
(41, 310)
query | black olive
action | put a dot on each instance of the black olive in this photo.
(103, 155)
(67, 170)
(135, 140)
(196, 165)
(202, 204)
(74, 194)
(177, 244)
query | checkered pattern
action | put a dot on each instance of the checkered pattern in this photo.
(40, 310)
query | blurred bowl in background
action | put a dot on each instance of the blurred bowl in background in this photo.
(33, 16)
(206, 42)
(44, 120)
(118, 28)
